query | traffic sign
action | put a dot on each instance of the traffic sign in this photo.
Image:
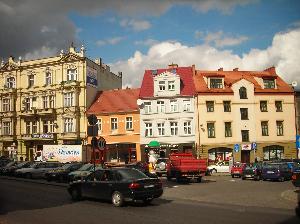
(254, 145)
(101, 143)
(298, 142)
(236, 147)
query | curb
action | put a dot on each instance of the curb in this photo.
(34, 181)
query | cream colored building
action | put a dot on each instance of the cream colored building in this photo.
(240, 109)
(44, 101)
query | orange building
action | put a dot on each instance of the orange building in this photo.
(119, 124)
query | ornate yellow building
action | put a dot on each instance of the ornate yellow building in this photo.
(44, 101)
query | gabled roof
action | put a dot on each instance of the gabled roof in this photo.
(115, 101)
(231, 77)
(187, 87)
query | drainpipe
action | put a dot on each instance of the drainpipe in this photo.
(198, 125)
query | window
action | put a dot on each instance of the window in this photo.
(68, 125)
(6, 105)
(211, 130)
(148, 130)
(244, 113)
(161, 129)
(245, 135)
(114, 123)
(227, 106)
(210, 106)
(174, 105)
(162, 85)
(278, 105)
(68, 99)
(186, 105)
(187, 127)
(279, 125)
(99, 124)
(30, 80)
(243, 93)
(273, 152)
(174, 128)
(264, 106)
(7, 128)
(45, 102)
(10, 82)
(72, 74)
(27, 103)
(171, 85)
(264, 128)
(160, 106)
(129, 123)
(28, 127)
(51, 101)
(48, 80)
(228, 131)
(147, 107)
(34, 127)
(269, 83)
(48, 126)
(216, 83)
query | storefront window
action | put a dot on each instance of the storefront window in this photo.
(273, 152)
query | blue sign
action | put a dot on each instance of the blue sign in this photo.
(254, 145)
(92, 81)
(298, 142)
(236, 147)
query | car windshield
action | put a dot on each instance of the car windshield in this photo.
(10, 164)
(272, 166)
(85, 167)
(21, 164)
(132, 174)
(35, 165)
(67, 166)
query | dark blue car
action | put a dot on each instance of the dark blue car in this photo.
(276, 171)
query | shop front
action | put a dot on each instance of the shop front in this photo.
(121, 153)
(219, 154)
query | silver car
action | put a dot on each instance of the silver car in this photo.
(37, 170)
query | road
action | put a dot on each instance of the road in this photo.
(26, 202)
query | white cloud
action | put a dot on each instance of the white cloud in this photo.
(284, 54)
(110, 41)
(147, 42)
(136, 25)
(43, 52)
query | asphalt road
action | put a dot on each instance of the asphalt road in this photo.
(25, 202)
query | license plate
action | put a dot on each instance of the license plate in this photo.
(236, 172)
(270, 172)
(149, 186)
(247, 175)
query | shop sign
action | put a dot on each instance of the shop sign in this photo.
(246, 146)
(45, 135)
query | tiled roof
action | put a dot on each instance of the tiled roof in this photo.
(186, 78)
(231, 77)
(115, 101)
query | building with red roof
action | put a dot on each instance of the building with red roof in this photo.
(244, 114)
(167, 112)
(118, 123)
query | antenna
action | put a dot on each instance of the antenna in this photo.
(294, 83)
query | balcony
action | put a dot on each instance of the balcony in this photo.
(32, 112)
(68, 135)
(8, 114)
(46, 111)
(7, 137)
(70, 83)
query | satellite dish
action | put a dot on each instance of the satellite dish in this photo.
(139, 102)
(294, 83)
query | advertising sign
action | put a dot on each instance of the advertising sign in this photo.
(91, 79)
(246, 146)
(62, 153)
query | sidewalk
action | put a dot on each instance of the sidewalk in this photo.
(37, 181)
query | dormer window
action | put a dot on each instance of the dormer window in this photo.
(72, 74)
(171, 85)
(10, 82)
(216, 83)
(269, 83)
(162, 85)
(243, 93)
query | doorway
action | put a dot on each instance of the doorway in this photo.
(245, 156)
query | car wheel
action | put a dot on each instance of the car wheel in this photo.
(232, 175)
(256, 178)
(169, 177)
(28, 175)
(243, 178)
(213, 171)
(117, 199)
(199, 179)
(147, 201)
(75, 194)
(281, 179)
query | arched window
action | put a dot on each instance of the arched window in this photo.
(243, 93)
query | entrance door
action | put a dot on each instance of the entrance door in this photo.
(245, 156)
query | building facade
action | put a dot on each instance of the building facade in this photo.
(44, 101)
(119, 124)
(244, 114)
(167, 109)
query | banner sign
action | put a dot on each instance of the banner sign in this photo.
(62, 153)
(46, 135)
(91, 79)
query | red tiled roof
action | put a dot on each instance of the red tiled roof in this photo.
(186, 78)
(115, 101)
(231, 77)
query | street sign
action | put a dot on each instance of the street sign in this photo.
(254, 145)
(298, 142)
(236, 147)
(101, 143)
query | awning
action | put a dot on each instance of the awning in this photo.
(154, 144)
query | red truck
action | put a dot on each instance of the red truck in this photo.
(185, 166)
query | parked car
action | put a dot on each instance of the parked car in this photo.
(118, 185)
(276, 171)
(237, 169)
(4, 161)
(83, 171)
(38, 170)
(252, 171)
(296, 179)
(11, 169)
(219, 167)
(7, 166)
(161, 166)
(61, 173)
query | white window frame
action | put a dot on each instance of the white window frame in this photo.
(50, 126)
(160, 106)
(45, 102)
(30, 80)
(174, 128)
(187, 105)
(99, 123)
(187, 127)
(161, 128)
(48, 78)
(174, 105)
(148, 107)
(35, 127)
(129, 123)
(28, 127)
(114, 123)
(68, 125)
(6, 127)
(10, 82)
(51, 102)
(216, 85)
(162, 85)
(69, 99)
(6, 104)
(72, 74)
(148, 129)
(171, 85)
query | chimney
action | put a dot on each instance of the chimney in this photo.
(220, 69)
(235, 69)
(173, 65)
(271, 70)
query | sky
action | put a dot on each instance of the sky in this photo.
(135, 35)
